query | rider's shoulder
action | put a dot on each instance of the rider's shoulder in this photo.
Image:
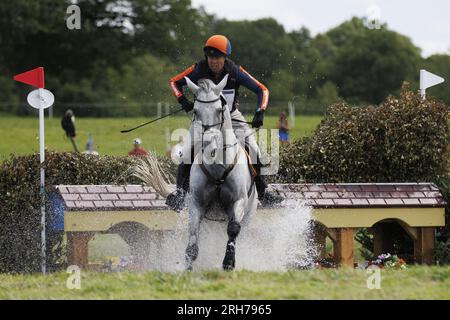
(230, 64)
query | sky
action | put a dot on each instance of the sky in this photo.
(426, 23)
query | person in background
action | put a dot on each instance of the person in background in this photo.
(283, 127)
(68, 124)
(138, 150)
(90, 146)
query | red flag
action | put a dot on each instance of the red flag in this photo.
(33, 77)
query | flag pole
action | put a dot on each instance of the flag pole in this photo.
(42, 181)
(39, 99)
(422, 84)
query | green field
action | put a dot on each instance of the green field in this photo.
(20, 135)
(418, 282)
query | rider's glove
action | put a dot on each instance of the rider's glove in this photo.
(186, 104)
(258, 119)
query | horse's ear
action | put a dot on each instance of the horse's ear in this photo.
(192, 86)
(218, 89)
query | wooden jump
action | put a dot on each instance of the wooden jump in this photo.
(338, 210)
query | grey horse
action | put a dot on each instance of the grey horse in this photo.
(221, 180)
(220, 176)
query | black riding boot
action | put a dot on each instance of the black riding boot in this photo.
(266, 198)
(175, 200)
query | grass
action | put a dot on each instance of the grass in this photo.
(20, 135)
(417, 282)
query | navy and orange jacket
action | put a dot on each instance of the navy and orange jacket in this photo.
(237, 76)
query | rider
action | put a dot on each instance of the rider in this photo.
(215, 67)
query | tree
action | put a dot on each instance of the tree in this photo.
(371, 64)
(169, 28)
(440, 65)
(261, 46)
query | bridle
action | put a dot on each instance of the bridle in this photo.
(209, 126)
(222, 121)
(219, 181)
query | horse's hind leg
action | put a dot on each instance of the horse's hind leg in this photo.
(195, 215)
(233, 229)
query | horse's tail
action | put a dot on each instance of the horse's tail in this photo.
(149, 171)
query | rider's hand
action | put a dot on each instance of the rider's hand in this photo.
(186, 104)
(258, 119)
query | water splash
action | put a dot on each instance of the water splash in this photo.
(272, 240)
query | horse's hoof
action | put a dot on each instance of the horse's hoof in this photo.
(228, 264)
(228, 267)
(189, 265)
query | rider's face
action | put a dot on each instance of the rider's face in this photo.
(216, 64)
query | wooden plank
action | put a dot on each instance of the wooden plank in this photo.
(367, 217)
(343, 247)
(77, 248)
(424, 245)
(103, 220)
(331, 218)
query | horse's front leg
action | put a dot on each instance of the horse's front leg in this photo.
(235, 214)
(195, 215)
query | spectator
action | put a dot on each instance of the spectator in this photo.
(283, 127)
(90, 146)
(138, 150)
(68, 124)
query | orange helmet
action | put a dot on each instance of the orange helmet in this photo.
(219, 43)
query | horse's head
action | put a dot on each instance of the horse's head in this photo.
(211, 116)
(208, 105)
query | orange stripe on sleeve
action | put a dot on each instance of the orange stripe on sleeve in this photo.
(176, 91)
(265, 91)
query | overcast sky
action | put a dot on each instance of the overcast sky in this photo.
(427, 23)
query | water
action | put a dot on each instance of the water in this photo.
(272, 240)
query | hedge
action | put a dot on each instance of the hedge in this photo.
(20, 202)
(402, 140)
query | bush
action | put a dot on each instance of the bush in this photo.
(442, 251)
(402, 140)
(20, 210)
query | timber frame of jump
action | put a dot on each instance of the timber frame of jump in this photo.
(339, 211)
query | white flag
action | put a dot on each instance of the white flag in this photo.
(428, 79)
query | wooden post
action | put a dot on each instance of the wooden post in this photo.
(343, 247)
(424, 245)
(77, 248)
